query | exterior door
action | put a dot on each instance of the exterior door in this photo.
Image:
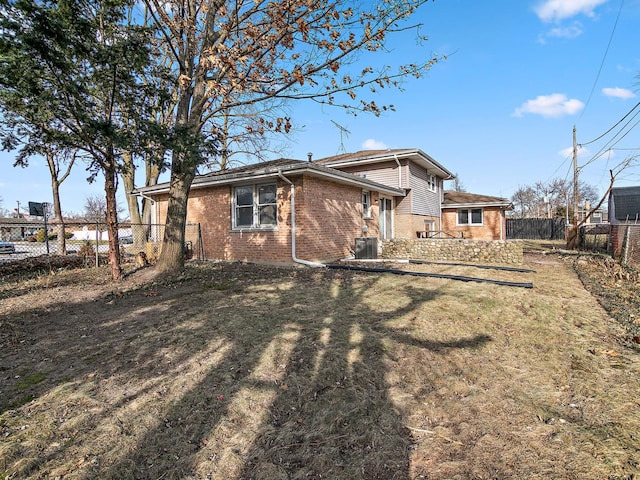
(386, 218)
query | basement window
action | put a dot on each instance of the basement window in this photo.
(255, 206)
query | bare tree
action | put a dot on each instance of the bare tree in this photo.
(549, 199)
(95, 209)
(457, 185)
(230, 53)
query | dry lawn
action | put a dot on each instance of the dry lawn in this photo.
(244, 372)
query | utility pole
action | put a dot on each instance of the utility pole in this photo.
(575, 178)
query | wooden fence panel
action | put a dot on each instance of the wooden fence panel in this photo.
(536, 228)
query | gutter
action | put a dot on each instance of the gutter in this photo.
(293, 226)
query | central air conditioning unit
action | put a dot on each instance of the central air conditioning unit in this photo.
(366, 248)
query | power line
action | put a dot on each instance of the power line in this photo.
(595, 82)
(609, 144)
(618, 123)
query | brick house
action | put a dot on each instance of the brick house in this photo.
(411, 170)
(624, 211)
(312, 212)
(477, 217)
(279, 211)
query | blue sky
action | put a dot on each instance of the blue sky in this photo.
(499, 111)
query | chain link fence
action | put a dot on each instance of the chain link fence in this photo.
(595, 238)
(20, 240)
(627, 244)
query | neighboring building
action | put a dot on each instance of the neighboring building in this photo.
(624, 205)
(478, 217)
(624, 213)
(411, 170)
(598, 216)
(16, 229)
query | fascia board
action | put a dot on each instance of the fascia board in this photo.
(476, 205)
(417, 156)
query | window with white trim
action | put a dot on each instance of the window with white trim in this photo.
(255, 206)
(469, 216)
(432, 182)
(366, 204)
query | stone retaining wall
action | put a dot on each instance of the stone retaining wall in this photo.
(454, 250)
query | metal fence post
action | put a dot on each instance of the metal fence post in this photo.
(97, 245)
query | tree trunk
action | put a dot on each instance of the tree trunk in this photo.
(152, 170)
(128, 175)
(171, 258)
(112, 216)
(61, 242)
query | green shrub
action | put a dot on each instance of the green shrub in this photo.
(40, 235)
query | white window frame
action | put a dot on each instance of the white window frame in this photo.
(432, 182)
(255, 206)
(366, 204)
(469, 213)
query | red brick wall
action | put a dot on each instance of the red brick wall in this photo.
(406, 226)
(328, 219)
(494, 225)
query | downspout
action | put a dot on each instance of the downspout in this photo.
(399, 170)
(293, 226)
(153, 202)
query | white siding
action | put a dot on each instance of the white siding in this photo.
(385, 173)
(423, 200)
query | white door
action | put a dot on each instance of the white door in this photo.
(386, 218)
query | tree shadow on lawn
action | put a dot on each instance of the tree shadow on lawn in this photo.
(244, 380)
(302, 393)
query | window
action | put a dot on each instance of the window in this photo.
(470, 216)
(432, 182)
(366, 204)
(255, 206)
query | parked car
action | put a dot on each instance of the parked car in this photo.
(7, 247)
(126, 240)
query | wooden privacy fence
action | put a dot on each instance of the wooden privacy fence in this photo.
(536, 228)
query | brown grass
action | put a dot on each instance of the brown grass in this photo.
(245, 372)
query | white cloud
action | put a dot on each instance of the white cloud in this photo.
(556, 10)
(573, 31)
(618, 93)
(568, 152)
(554, 105)
(371, 144)
(570, 32)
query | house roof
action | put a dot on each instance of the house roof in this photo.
(626, 203)
(454, 199)
(21, 221)
(274, 169)
(364, 157)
